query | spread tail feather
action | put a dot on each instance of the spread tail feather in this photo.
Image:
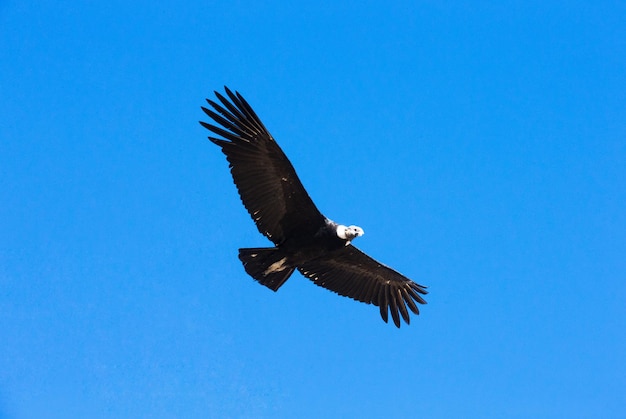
(268, 265)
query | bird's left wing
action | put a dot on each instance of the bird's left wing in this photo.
(267, 182)
(352, 273)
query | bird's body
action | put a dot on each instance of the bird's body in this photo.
(304, 239)
(271, 266)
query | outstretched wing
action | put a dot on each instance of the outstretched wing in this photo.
(352, 273)
(267, 182)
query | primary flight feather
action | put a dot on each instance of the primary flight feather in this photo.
(304, 239)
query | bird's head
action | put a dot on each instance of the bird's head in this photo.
(349, 233)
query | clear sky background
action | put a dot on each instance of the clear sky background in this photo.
(481, 146)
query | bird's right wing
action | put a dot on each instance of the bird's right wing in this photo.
(267, 182)
(352, 273)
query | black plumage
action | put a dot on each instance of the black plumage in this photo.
(283, 211)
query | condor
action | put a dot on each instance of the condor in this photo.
(304, 239)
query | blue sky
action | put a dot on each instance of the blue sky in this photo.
(482, 148)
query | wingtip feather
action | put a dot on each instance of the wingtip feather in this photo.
(393, 307)
(402, 306)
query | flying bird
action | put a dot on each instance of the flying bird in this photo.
(303, 238)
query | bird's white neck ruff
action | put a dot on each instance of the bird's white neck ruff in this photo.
(341, 232)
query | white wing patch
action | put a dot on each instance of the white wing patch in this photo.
(276, 267)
